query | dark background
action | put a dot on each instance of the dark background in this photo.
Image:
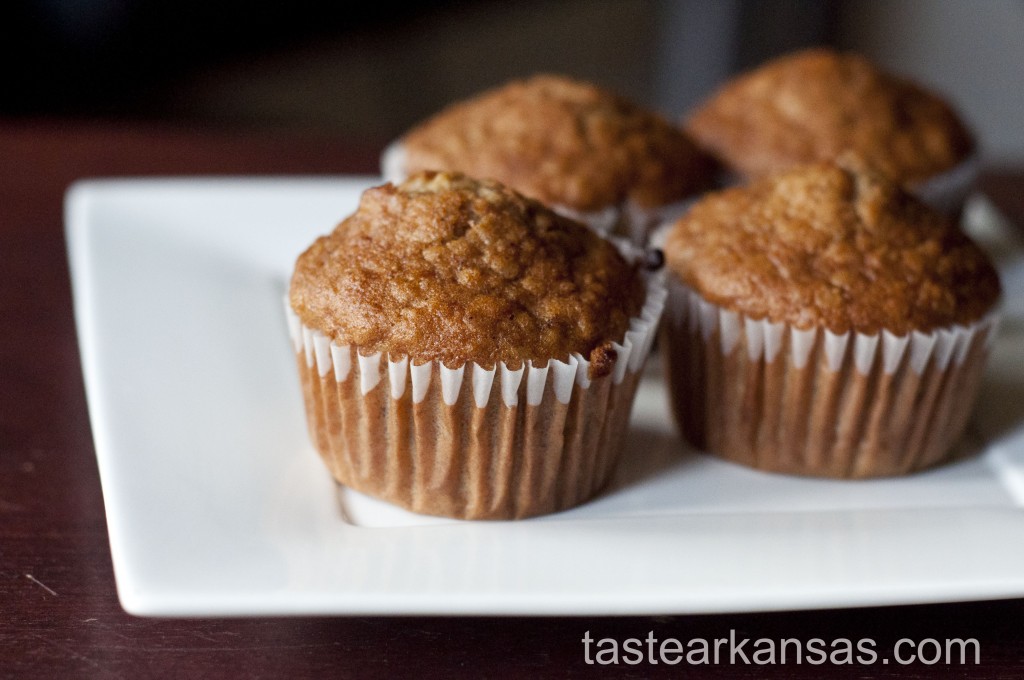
(369, 70)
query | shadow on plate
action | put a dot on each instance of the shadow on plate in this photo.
(1000, 408)
(649, 453)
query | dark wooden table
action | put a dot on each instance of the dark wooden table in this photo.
(59, 614)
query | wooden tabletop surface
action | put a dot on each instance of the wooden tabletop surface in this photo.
(59, 614)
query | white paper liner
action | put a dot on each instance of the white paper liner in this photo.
(948, 191)
(765, 339)
(636, 222)
(735, 407)
(631, 352)
(473, 442)
(392, 163)
(627, 218)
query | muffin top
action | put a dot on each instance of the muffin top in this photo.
(444, 267)
(562, 142)
(812, 105)
(827, 245)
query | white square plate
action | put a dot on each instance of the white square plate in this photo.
(218, 505)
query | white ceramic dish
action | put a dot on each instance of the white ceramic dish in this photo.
(218, 505)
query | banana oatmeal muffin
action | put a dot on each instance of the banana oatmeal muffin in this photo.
(823, 321)
(465, 351)
(816, 104)
(578, 148)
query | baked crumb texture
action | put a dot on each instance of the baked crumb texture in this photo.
(563, 142)
(823, 322)
(465, 352)
(813, 105)
(444, 267)
(831, 246)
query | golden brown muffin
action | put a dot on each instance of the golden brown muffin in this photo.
(464, 351)
(813, 105)
(831, 247)
(825, 322)
(564, 142)
(448, 268)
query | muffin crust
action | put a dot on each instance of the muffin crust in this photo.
(825, 245)
(444, 267)
(563, 142)
(813, 105)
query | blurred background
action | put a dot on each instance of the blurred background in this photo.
(366, 71)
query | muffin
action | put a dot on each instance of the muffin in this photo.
(581, 150)
(813, 105)
(466, 352)
(825, 322)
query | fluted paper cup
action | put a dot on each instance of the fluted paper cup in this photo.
(472, 442)
(812, 402)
